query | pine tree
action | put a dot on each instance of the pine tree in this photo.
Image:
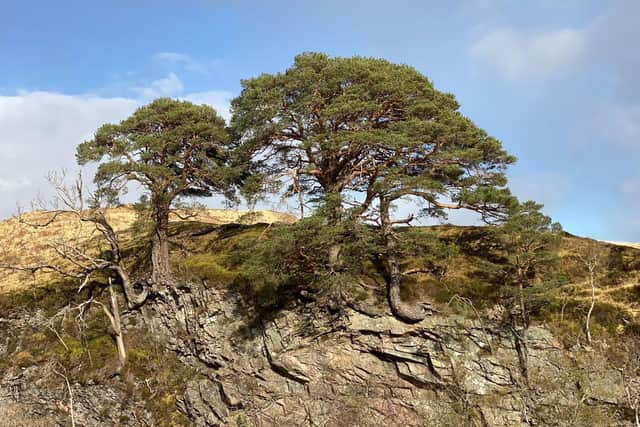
(172, 149)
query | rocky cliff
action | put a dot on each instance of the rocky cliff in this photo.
(201, 354)
(310, 366)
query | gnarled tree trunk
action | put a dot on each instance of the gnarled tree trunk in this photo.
(161, 270)
(113, 313)
(405, 311)
(133, 297)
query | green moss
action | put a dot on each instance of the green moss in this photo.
(102, 348)
(50, 298)
(163, 377)
(72, 353)
(207, 267)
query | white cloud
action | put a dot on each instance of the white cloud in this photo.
(517, 55)
(183, 60)
(39, 132)
(219, 100)
(169, 86)
(7, 185)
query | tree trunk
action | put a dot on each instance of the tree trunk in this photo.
(114, 317)
(161, 273)
(407, 312)
(592, 281)
(132, 297)
(334, 206)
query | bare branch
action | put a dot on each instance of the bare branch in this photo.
(66, 380)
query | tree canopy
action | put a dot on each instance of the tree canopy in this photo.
(366, 126)
(531, 238)
(355, 135)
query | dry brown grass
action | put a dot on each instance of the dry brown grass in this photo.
(629, 244)
(22, 244)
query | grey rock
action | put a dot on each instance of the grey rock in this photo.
(307, 366)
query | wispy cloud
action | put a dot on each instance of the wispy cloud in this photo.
(185, 61)
(220, 100)
(517, 55)
(169, 86)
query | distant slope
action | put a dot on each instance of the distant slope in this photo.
(27, 245)
(629, 244)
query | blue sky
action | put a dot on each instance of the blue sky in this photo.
(555, 81)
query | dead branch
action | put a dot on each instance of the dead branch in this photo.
(475, 311)
(417, 271)
(66, 380)
(81, 258)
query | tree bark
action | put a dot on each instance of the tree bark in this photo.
(161, 269)
(407, 312)
(70, 391)
(113, 313)
(133, 298)
(117, 327)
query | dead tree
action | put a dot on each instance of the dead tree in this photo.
(83, 257)
(591, 258)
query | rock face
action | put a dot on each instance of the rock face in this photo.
(311, 367)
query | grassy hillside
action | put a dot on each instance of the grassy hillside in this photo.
(206, 248)
(475, 275)
(28, 241)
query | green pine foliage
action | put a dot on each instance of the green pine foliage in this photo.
(366, 126)
(285, 260)
(531, 241)
(359, 134)
(171, 148)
